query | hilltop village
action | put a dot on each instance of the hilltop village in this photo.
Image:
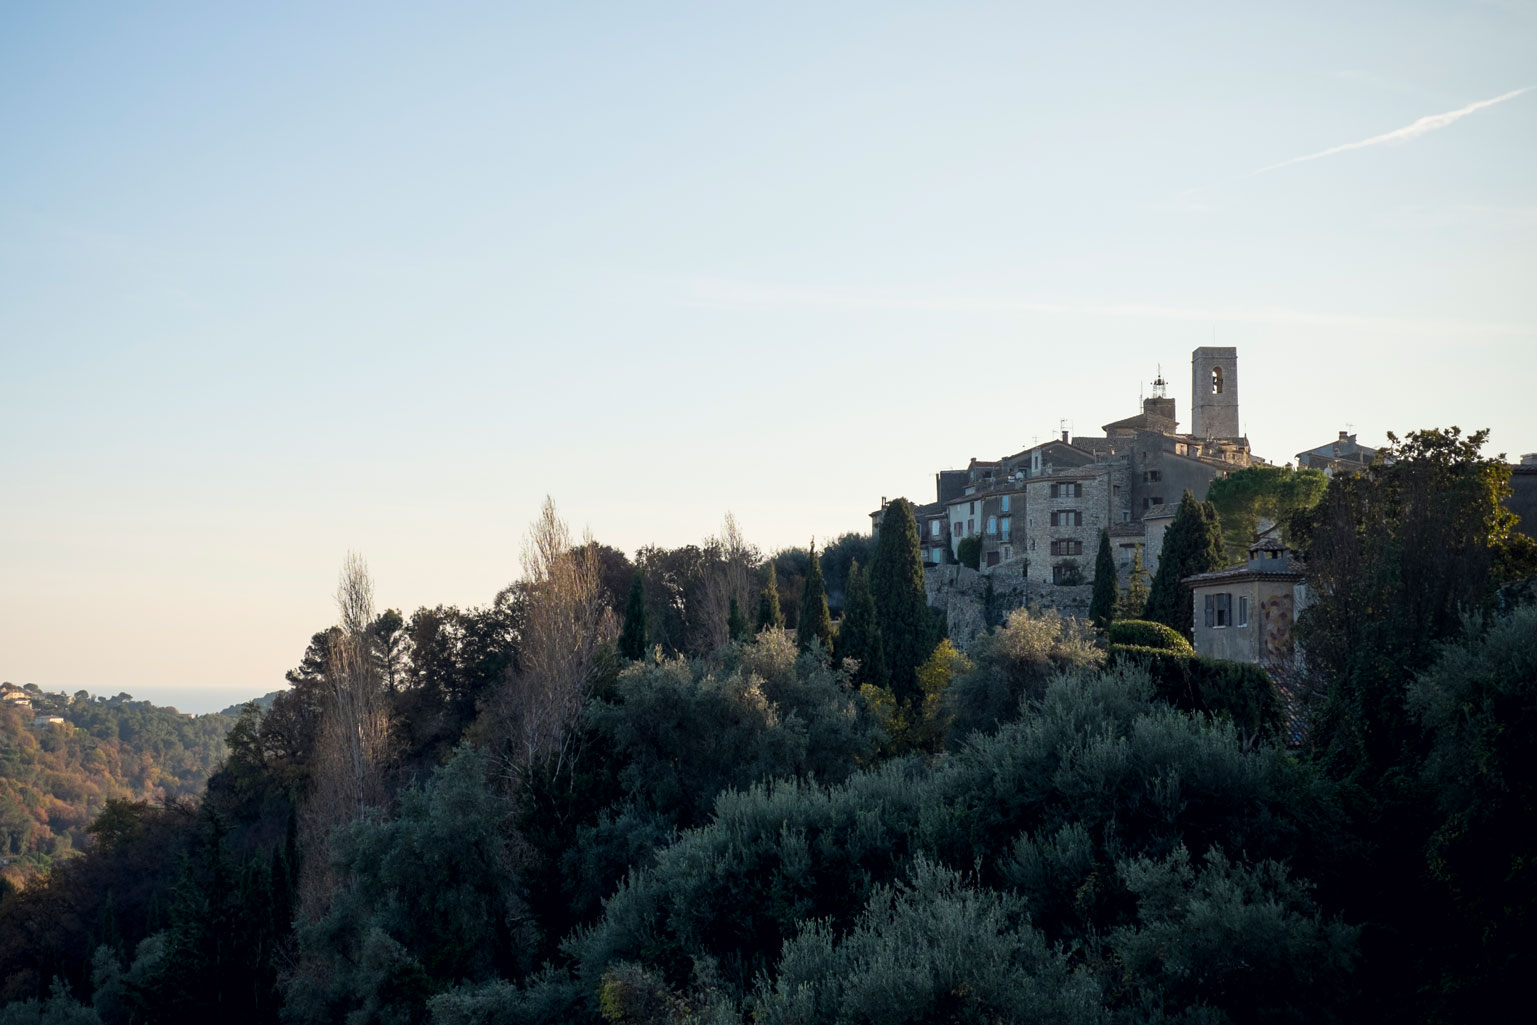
(1037, 514)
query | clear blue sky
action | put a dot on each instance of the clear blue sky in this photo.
(278, 281)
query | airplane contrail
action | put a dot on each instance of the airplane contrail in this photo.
(1424, 125)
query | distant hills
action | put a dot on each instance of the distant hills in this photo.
(62, 757)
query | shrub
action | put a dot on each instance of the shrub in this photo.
(1148, 634)
(969, 552)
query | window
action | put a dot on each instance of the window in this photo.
(936, 555)
(1243, 612)
(992, 524)
(1152, 476)
(973, 509)
(1005, 503)
(992, 558)
(1066, 546)
(1216, 380)
(1067, 518)
(1008, 553)
(1005, 525)
(1067, 491)
(971, 525)
(1219, 610)
(1066, 574)
(933, 528)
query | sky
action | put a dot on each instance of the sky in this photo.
(284, 281)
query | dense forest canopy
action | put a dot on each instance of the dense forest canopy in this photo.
(604, 797)
(56, 777)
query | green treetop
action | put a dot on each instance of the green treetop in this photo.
(769, 615)
(859, 636)
(901, 607)
(1191, 545)
(1106, 585)
(632, 639)
(815, 621)
(736, 623)
(1395, 558)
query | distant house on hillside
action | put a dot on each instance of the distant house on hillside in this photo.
(48, 720)
(1343, 455)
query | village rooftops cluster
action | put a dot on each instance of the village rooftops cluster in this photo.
(1039, 511)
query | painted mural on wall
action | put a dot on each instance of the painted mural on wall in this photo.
(1276, 629)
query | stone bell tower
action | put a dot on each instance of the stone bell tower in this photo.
(1214, 392)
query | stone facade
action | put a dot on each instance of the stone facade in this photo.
(1039, 512)
(1064, 515)
(1246, 614)
(1214, 392)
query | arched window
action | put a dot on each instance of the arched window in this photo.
(1216, 380)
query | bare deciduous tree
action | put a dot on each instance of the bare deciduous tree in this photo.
(730, 577)
(568, 620)
(352, 748)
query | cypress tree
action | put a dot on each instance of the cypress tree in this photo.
(1133, 603)
(769, 616)
(632, 640)
(1192, 544)
(816, 623)
(1106, 586)
(907, 628)
(736, 623)
(859, 637)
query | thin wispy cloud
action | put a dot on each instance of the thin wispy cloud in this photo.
(1424, 126)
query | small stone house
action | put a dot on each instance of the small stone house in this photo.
(1246, 614)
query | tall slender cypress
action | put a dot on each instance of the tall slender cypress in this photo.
(736, 623)
(1191, 545)
(1106, 585)
(632, 640)
(859, 636)
(816, 623)
(769, 615)
(907, 628)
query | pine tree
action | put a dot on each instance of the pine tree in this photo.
(1191, 545)
(769, 616)
(902, 614)
(632, 640)
(736, 623)
(816, 623)
(859, 637)
(1106, 586)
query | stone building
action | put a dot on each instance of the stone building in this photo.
(1343, 455)
(1246, 614)
(1039, 512)
(1064, 515)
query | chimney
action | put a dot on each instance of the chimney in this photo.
(1344, 435)
(883, 501)
(1064, 437)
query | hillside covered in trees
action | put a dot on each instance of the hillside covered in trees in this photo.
(649, 791)
(56, 777)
